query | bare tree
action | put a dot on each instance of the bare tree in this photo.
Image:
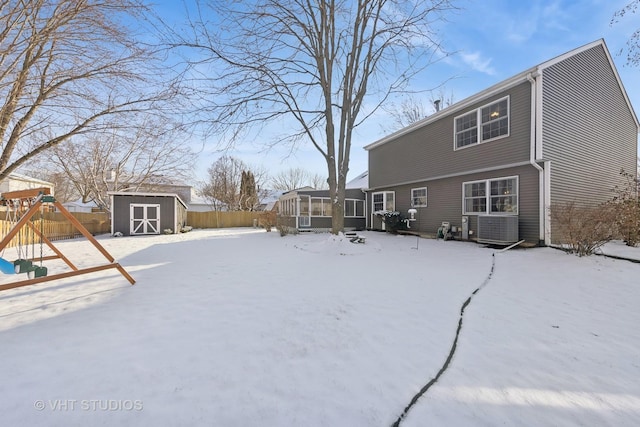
(327, 64)
(440, 98)
(68, 67)
(318, 182)
(633, 43)
(293, 178)
(125, 161)
(409, 111)
(412, 109)
(224, 188)
(64, 189)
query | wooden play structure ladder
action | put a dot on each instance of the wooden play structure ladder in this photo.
(32, 200)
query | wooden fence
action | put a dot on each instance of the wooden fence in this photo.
(223, 219)
(56, 227)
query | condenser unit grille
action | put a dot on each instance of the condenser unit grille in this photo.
(497, 229)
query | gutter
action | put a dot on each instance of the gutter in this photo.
(535, 145)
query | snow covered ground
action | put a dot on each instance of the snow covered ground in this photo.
(240, 327)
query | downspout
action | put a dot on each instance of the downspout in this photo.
(366, 208)
(532, 77)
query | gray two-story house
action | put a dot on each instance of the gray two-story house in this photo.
(493, 164)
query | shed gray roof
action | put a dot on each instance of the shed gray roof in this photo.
(131, 193)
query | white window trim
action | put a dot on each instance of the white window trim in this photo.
(488, 196)
(479, 124)
(323, 201)
(426, 197)
(384, 199)
(354, 208)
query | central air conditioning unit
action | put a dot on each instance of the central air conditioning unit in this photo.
(497, 229)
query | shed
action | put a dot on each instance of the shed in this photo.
(146, 213)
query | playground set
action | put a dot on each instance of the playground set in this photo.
(24, 211)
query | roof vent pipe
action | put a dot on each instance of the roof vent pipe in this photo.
(436, 104)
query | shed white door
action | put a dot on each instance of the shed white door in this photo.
(145, 219)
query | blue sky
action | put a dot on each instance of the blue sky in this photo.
(492, 40)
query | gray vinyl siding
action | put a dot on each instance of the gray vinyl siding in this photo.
(121, 211)
(588, 131)
(429, 151)
(444, 202)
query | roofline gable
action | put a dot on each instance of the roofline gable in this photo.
(504, 85)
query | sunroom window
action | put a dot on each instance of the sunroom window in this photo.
(353, 208)
(320, 206)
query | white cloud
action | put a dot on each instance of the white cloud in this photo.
(478, 63)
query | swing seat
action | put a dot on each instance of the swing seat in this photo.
(37, 271)
(7, 267)
(23, 266)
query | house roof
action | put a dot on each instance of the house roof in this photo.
(130, 193)
(360, 181)
(79, 203)
(504, 85)
(21, 177)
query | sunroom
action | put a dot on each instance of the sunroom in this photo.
(307, 209)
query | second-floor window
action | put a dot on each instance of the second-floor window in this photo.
(491, 119)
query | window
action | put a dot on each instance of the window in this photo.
(475, 197)
(316, 206)
(326, 207)
(494, 123)
(419, 197)
(288, 207)
(492, 196)
(304, 205)
(467, 129)
(495, 120)
(504, 196)
(320, 206)
(384, 201)
(353, 208)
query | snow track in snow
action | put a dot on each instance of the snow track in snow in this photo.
(452, 351)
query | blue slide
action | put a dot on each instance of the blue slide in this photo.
(7, 267)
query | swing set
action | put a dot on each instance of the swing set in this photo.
(25, 211)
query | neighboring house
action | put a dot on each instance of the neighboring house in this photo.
(269, 201)
(182, 190)
(307, 209)
(146, 213)
(197, 203)
(17, 181)
(494, 163)
(80, 206)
